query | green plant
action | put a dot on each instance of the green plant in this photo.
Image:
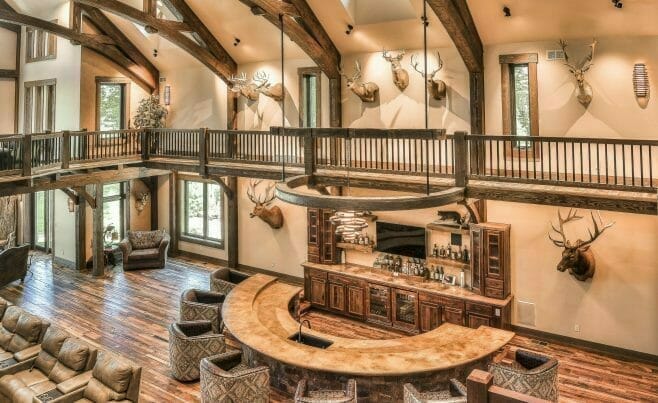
(150, 113)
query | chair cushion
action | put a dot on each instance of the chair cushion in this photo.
(113, 372)
(145, 239)
(72, 359)
(29, 378)
(29, 327)
(3, 307)
(144, 254)
(52, 343)
(12, 314)
(96, 391)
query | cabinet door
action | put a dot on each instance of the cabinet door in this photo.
(318, 291)
(493, 246)
(430, 316)
(378, 304)
(477, 273)
(355, 301)
(329, 253)
(337, 297)
(452, 315)
(405, 309)
(313, 223)
(475, 321)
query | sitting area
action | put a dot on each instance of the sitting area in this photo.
(202, 305)
(526, 372)
(304, 395)
(13, 264)
(145, 249)
(20, 333)
(189, 343)
(227, 378)
(223, 280)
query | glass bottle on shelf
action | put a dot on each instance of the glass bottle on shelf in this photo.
(435, 251)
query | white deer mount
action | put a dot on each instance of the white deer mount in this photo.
(585, 92)
(400, 75)
(141, 201)
(436, 87)
(260, 84)
(366, 91)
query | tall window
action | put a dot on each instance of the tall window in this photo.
(112, 103)
(39, 107)
(520, 97)
(202, 213)
(40, 45)
(114, 197)
(309, 84)
(41, 220)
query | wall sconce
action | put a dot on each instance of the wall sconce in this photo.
(71, 205)
(641, 84)
(141, 201)
(167, 95)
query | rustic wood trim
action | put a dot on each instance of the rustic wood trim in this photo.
(8, 73)
(152, 184)
(97, 231)
(150, 7)
(72, 195)
(301, 73)
(81, 191)
(81, 235)
(232, 223)
(125, 83)
(173, 213)
(17, 88)
(518, 58)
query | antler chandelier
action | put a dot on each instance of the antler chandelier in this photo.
(349, 223)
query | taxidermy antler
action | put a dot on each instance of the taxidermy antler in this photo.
(271, 215)
(264, 87)
(585, 92)
(436, 87)
(400, 75)
(577, 257)
(251, 90)
(366, 91)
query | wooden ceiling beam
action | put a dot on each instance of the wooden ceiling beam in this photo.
(223, 67)
(8, 73)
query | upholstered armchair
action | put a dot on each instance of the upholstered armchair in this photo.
(202, 305)
(227, 378)
(526, 372)
(20, 335)
(456, 393)
(223, 280)
(189, 343)
(13, 264)
(303, 395)
(144, 249)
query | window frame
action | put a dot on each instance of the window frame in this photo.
(35, 109)
(40, 45)
(507, 64)
(122, 197)
(183, 233)
(125, 98)
(304, 72)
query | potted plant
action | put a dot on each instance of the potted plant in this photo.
(150, 115)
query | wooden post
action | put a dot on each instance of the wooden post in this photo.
(153, 188)
(173, 214)
(231, 144)
(477, 386)
(461, 159)
(203, 152)
(97, 234)
(145, 143)
(66, 149)
(232, 222)
(81, 234)
(27, 155)
(309, 153)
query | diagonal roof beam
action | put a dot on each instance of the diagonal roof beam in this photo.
(302, 27)
(224, 67)
(103, 25)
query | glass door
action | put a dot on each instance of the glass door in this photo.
(405, 309)
(379, 303)
(41, 220)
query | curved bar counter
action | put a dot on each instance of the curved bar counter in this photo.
(257, 314)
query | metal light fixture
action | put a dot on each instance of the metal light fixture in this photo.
(349, 223)
(641, 84)
(167, 95)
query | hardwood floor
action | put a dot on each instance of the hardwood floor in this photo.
(127, 313)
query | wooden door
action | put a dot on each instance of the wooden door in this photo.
(355, 301)
(405, 309)
(378, 304)
(430, 316)
(328, 250)
(452, 315)
(475, 321)
(477, 272)
(337, 297)
(314, 235)
(318, 288)
(493, 256)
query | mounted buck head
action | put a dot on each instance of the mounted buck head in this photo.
(366, 91)
(585, 92)
(400, 75)
(264, 87)
(577, 257)
(436, 87)
(249, 90)
(271, 215)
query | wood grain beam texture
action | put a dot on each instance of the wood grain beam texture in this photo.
(221, 63)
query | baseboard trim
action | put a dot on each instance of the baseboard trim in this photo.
(287, 278)
(600, 348)
(63, 262)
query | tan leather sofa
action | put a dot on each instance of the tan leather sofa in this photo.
(145, 249)
(62, 365)
(20, 336)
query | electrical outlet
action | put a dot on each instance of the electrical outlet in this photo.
(576, 328)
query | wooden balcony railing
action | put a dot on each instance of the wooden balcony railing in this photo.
(628, 165)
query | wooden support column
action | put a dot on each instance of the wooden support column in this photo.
(81, 235)
(153, 189)
(27, 155)
(232, 223)
(173, 214)
(461, 159)
(97, 234)
(477, 384)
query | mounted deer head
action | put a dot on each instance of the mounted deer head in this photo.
(366, 91)
(577, 257)
(271, 215)
(400, 75)
(436, 87)
(249, 90)
(264, 87)
(585, 92)
(141, 200)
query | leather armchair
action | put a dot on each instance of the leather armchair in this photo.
(456, 393)
(227, 378)
(189, 343)
(202, 305)
(20, 335)
(526, 372)
(13, 264)
(223, 280)
(303, 395)
(145, 249)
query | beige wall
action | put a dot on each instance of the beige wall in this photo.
(7, 87)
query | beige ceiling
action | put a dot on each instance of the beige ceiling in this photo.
(540, 20)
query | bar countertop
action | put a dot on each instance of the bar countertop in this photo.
(256, 313)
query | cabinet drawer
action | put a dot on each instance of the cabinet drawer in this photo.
(317, 273)
(340, 279)
(494, 293)
(486, 310)
(441, 300)
(313, 258)
(494, 283)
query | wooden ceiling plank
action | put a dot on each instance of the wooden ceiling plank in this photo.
(8, 73)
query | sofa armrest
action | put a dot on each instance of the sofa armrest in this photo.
(126, 248)
(26, 354)
(75, 383)
(21, 366)
(71, 397)
(164, 243)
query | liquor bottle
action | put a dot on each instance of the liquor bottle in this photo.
(449, 252)
(435, 251)
(462, 279)
(465, 255)
(442, 251)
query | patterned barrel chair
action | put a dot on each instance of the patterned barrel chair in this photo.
(189, 343)
(202, 305)
(223, 280)
(456, 393)
(226, 378)
(304, 395)
(526, 372)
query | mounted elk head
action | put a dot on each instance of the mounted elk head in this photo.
(585, 92)
(436, 87)
(241, 85)
(577, 257)
(400, 75)
(271, 215)
(366, 91)
(264, 87)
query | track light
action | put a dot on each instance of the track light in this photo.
(425, 21)
(507, 11)
(617, 3)
(236, 42)
(155, 53)
(349, 30)
(255, 10)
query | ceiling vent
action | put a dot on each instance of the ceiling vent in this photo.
(553, 55)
